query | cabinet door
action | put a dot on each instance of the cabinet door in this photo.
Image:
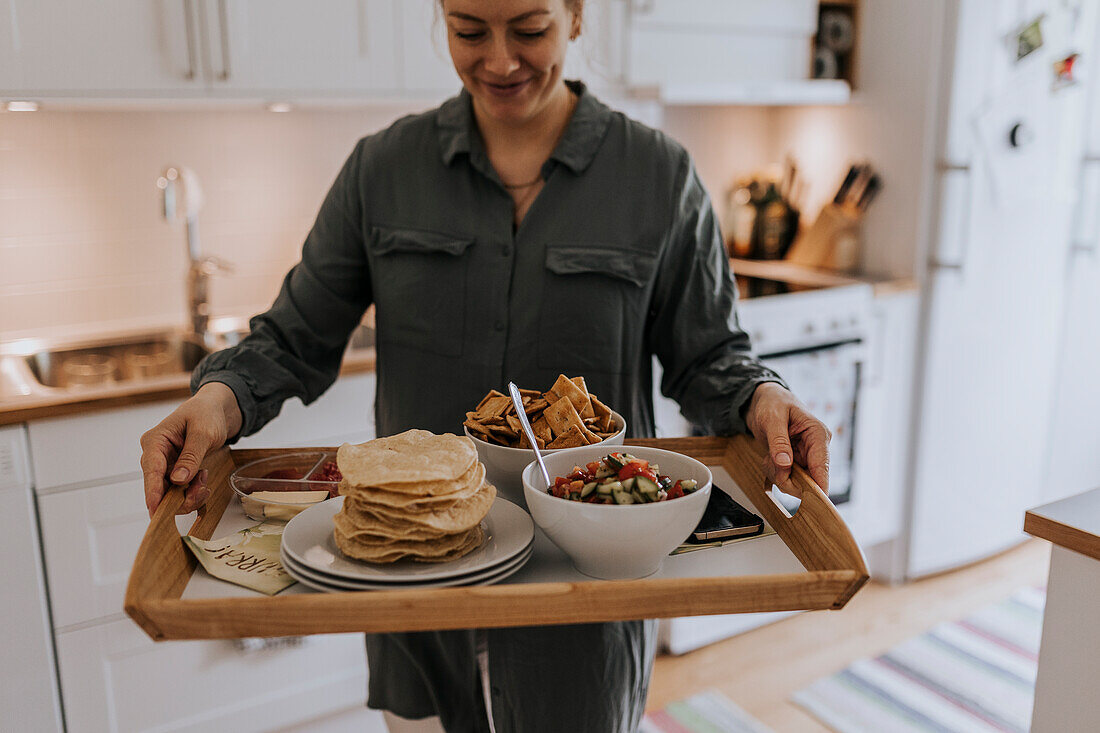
(103, 48)
(90, 537)
(114, 678)
(286, 47)
(425, 61)
(28, 688)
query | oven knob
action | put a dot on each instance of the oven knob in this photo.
(834, 325)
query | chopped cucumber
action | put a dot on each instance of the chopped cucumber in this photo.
(617, 460)
(604, 472)
(628, 483)
(689, 485)
(623, 497)
(646, 485)
(587, 489)
(639, 498)
(609, 487)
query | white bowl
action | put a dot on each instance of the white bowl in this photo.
(617, 541)
(504, 465)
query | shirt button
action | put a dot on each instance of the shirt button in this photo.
(499, 325)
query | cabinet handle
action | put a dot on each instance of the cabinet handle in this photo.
(223, 25)
(189, 27)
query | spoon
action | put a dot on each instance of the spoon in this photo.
(526, 424)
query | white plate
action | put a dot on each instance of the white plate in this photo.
(308, 540)
(314, 579)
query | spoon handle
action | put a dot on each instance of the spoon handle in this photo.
(526, 424)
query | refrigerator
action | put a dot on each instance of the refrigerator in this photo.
(1073, 463)
(1010, 146)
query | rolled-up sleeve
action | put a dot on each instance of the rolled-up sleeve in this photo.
(707, 359)
(295, 348)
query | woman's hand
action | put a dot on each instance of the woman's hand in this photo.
(783, 424)
(201, 424)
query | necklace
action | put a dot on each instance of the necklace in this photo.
(530, 183)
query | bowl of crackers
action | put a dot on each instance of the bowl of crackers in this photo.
(565, 416)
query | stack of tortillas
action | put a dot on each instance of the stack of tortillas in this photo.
(413, 495)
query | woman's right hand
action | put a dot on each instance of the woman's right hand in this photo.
(172, 452)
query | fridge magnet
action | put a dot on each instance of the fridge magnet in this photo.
(1029, 38)
(1063, 71)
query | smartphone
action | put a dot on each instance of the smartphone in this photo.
(725, 518)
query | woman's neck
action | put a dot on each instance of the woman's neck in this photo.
(533, 138)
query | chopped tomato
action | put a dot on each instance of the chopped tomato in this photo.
(636, 468)
(578, 474)
(676, 492)
(593, 467)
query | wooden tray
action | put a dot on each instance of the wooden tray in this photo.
(834, 570)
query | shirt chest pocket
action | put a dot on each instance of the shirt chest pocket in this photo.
(594, 304)
(419, 281)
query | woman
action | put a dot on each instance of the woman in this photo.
(519, 231)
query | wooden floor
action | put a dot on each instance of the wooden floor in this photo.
(760, 669)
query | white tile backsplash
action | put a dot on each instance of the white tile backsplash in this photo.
(83, 244)
(82, 241)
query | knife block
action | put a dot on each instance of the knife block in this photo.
(832, 242)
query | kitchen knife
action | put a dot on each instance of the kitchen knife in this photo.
(846, 185)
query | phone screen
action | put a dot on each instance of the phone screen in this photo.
(725, 518)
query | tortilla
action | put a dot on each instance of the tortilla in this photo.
(456, 517)
(415, 461)
(439, 550)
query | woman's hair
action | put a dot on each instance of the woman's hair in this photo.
(574, 5)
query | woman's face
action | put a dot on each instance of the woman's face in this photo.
(509, 53)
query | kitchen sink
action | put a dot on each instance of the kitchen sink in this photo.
(32, 366)
(116, 361)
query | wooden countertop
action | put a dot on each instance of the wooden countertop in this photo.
(1072, 523)
(57, 403)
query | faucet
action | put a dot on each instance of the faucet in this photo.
(182, 196)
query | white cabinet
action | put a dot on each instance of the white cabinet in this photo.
(423, 56)
(885, 414)
(28, 677)
(291, 48)
(92, 513)
(90, 537)
(198, 48)
(122, 47)
(116, 679)
(674, 42)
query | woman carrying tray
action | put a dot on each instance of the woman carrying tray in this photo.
(521, 230)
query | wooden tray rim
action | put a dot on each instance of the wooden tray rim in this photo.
(816, 535)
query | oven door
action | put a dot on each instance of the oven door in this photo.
(826, 377)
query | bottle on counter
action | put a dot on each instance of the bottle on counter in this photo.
(740, 217)
(771, 225)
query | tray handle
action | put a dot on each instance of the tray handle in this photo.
(164, 565)
(816, 534)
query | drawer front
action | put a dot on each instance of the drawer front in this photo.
(346, 409)
(114, 678)
(69, 450)
(90, 537)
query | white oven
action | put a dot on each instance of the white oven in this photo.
(813, 329)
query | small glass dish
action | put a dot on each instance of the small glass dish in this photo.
(282, 486)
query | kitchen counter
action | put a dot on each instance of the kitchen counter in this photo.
(1066, 681)
(23, 398)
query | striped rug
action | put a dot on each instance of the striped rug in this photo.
(969, 676)
(707, 712)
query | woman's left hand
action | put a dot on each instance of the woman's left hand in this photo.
(782, 423)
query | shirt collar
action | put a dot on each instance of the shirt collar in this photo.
(575, 150)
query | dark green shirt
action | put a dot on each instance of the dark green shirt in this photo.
(617, 259)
